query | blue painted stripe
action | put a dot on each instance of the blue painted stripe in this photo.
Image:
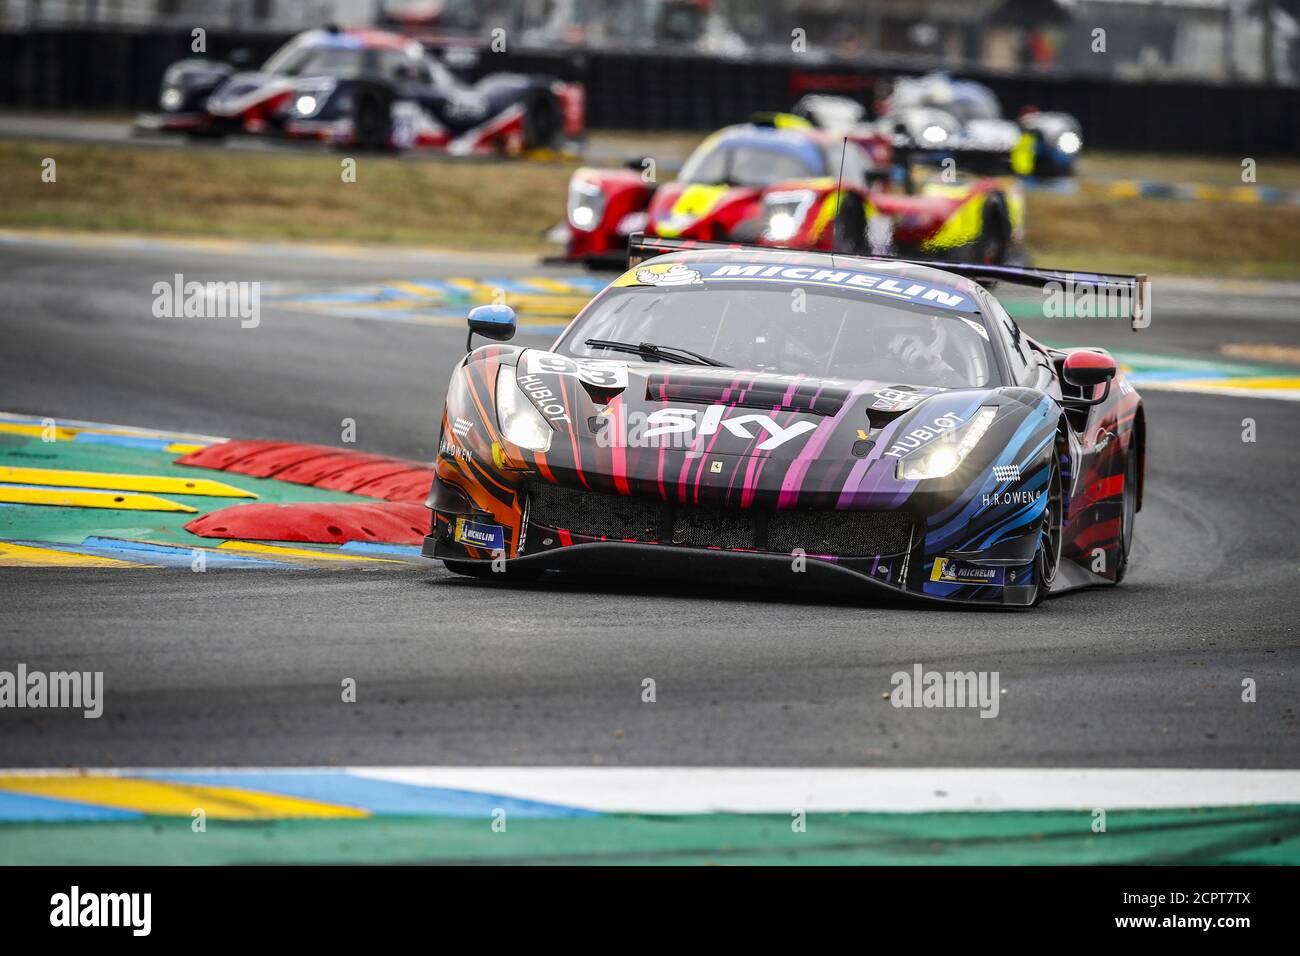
(80, 549)
(125, 441)
(176, 555)
(381, 797)
(370, 547)
(25, 808)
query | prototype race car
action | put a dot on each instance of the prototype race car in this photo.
(947, 117)
(370, 89)
(740, 414)
(781, 182)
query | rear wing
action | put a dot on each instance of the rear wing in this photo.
(1106, 294)
(641, 247)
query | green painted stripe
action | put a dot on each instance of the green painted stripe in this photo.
(1234, 835)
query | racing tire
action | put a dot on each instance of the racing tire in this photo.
(372, 122)
(995, 232)
(484, 572)
(1128, 514)
(543, 123)
(851, 228)
(1047, 558)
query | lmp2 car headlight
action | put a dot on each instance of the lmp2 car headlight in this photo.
(785, 212)
(171, 98)
(934, 135)
(1069, 142)
(521, 423)
(586, 205)
(944, 455)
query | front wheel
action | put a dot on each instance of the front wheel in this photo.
(1047, 559)
(543, 124)
(995, 232)
(372, 122)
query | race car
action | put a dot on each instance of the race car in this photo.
(781, 182)
(946, 117)
(373, 90)
(743, 415)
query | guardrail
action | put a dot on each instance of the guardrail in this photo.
(87, 69)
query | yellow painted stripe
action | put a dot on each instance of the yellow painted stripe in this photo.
(184, 448)
(157, 484)
(551, 285)
(472, 286)
(1271, 384)
(1260, 352)
(164, 798)
(21, 555)
(419, 291)
(38, 431)
(546, 304)
(69, 432)
(282, 551)
(61, 498)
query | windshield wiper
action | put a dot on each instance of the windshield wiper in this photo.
(665, 353)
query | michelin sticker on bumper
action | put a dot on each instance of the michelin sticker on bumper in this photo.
(962, 572)
(490, 536)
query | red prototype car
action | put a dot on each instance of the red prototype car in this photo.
(781, 182)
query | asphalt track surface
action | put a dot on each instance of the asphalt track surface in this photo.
(244, 668)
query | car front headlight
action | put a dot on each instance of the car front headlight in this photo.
(312, 94)
(934, 135)
(521, 423)
(171, 99)
(941, 457)
(586, 205)
(785, 213)
(1069, 142)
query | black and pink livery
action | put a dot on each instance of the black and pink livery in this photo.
(896, 433)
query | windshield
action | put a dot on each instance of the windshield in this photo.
(753, 164)
(334, 61)
(754, 326)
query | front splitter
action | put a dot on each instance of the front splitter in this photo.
(738, 568)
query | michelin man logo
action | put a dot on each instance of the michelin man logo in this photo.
(675, 274)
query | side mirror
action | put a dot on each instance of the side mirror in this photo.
(496, 322)
(1086, 369)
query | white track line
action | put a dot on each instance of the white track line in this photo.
(826, 790)
(780, 790)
